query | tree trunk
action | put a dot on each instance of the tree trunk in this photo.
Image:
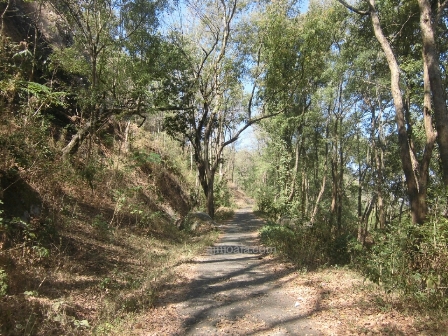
(334, 191)
(321, 192)
(416, 175)
(431, 58)
(2, 18)
(403, 140)
(361, 176)
(334, 175)
(379, 161)
(191, 156)
(211, 197)
(364, 223)
(76, 141)
(295, 170)
(340, 180)
(126, 143)
(305, 193)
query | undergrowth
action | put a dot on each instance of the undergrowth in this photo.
(407, 260)
(307, 247)
(411, 260)
(88, 245)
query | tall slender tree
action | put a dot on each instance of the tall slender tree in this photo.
(416, 171)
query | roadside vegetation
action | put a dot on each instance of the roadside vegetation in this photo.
(352, 173)
(90, 198)
(119, 118)
(87, 248)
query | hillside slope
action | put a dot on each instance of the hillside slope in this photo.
(86, 244)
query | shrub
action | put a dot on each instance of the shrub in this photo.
(223, 213)
(222, 194)
(307, 247)
(411, 259)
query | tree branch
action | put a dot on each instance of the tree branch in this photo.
(2, 17)
(353, 9)
(143, 121)
(440, 10)
(252, 94)
(173, 108)
(249, 123)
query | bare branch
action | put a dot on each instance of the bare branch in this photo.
(353, 9)
(173, 108)
(241, 130)
(440, 10)
(252, 94)
(143, 121)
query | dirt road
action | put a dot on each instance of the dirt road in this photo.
(240, 293)
(252, 294)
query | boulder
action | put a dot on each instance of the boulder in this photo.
(20, 200)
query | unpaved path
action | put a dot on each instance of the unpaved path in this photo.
(241, 293)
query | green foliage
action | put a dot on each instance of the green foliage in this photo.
(118, 71)
(222, 194)
(34, 235)
(91, 171)
(294, 46)
(307, 247)
(44, 95)
(142, 157)
(31, 293)
(411, 259)
(70, 60)
(29, 144)
(100, 223)
(33, 230)
(105, 283)
(274, 205)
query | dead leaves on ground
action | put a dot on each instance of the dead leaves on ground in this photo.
(341, 302)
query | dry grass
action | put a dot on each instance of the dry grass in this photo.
(224, 213)
(93, 284)
(113, 252)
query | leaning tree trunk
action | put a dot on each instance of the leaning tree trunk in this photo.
(403, 140)
(76, 141)
(322, 190)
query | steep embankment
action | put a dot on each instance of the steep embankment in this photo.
(86, 242)
(87, 245)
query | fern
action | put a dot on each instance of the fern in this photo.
(43, 93)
